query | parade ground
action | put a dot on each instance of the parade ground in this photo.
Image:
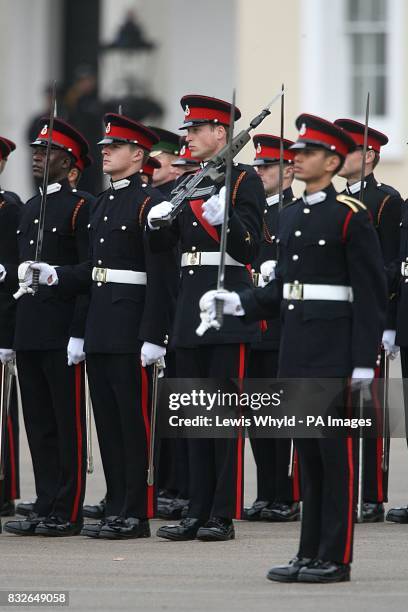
(154, 574)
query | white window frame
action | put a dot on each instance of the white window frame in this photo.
(324, 68)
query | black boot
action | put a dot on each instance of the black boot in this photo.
(398, 515)
(26, 526)
(55, 526)
(25, 508)
(185, 530)
(254, 512)
(281, 512)
(91, 530)
(95, 512)
(289, 572)
(373, 512)
(8, 508)
(125, 529)
(217, 529)
(174, 509)
(324, 572)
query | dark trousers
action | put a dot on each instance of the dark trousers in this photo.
(10, 486)
(404, 370)
(52, 396)
(119, 389)
(329, 473)
(216, 465)
(375, 480)
(272, 455)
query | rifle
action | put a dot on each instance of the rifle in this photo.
(214, 168)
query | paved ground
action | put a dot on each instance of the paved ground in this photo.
(153, 574)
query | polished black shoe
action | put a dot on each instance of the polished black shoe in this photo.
(373, 512)
(125, 529)
(216, 530)
(288, 572)
(254, 512)
(324, 572)
(173, 510)
(91, 530)
(397, 515)
(26, 527)
(185, 530)
(25, 508)
(165, 497)
(280, 512)
(55, 526)
(8, 509)
(95, 512)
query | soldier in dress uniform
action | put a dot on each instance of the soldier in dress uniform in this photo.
(10, 210)
(146, 173)
(330, 274)
(277, 497)
(166, 152)
(76, 171)
(185, 162)
(48, 341)
(385, 205)
(127, 328)
(216, 465)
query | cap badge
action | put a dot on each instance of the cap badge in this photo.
(187, 110)
(259, 148)
(302, 130)
(183, 150)
(44, 131)
(108, 128)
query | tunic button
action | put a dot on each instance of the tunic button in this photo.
(193, 248)
(99, 284)
(89, 225)
(36, 221)
(111, 197)
(406, 280)
(322, 242)
(105, 218)
(54, 229)
(295, 257)
(406, 259)
(102, 240)
(144, 184)
(265, 211)
(273, 237)
(298, 233)
(401, 224)
(290, 307)
(195, 223)
(191, 272)
(18, 231)
(31, 241)
(306, 211)
(123, 227)
(99, 262)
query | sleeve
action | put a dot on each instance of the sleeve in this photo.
(245, 221)
(77, 327)
(9, 222)
(263, 302)
(161, 292)
(369, 284)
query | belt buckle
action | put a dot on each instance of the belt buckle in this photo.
(404, 268)
(295, 291)
(255, 278)
(100, 275)
(194, 259)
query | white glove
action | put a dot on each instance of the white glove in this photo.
(151, 353)
(388, 342)
(3, 273)
(159, 212)
(75, 351)
(6, 355)
(268, 270)
(25, 279)
(361, 378)
(48, 274)
(231, 306)
(213, 208)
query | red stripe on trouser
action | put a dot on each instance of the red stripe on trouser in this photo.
(295, 483)
(379, 442)
(350, 510)
(13, 485)
(145, 411)
(240, 441)
(78, 426)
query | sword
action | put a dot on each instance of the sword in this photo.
(385, 438)
(41, 220)
(5, 397)
(365, 147)
(281, 148)
(157, 369)
(88, 413)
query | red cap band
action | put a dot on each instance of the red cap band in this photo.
(262, 151)
(330, 140)
(116, 131)
(359, 140)
(206, 114)
(62, 140)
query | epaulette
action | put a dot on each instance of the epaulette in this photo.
(352, 203)
(388, 190)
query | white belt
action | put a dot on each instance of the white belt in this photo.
(404, 268)
(201, 258)
(128, 277)
(298, 291)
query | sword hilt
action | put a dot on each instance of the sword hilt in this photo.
(36, 281)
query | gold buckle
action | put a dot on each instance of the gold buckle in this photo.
(100, 275)
(194, 259)
(295, 291)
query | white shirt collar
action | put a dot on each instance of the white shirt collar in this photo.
(314, 198)
(274, 199)
(120, 184)
(53, 188)
(355, 187)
